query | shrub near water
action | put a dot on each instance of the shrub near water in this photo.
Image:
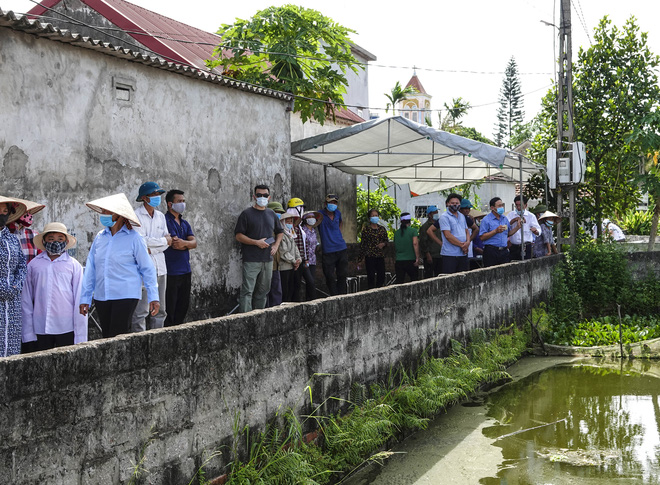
(376, 416)
(587, 289)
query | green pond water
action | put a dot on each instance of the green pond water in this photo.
(561, 421)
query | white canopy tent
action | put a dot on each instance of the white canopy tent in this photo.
(406, 152)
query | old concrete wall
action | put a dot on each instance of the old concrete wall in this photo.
(84, 414)
(67, 138)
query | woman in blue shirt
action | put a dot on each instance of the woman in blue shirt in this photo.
(117, 264)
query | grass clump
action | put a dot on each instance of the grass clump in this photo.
(377, 415)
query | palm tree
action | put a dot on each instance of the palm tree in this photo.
(456, 110)
(397, 95)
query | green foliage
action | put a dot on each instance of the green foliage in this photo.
(637, 222)
(455, 111)
(397, 94)
(605, 331)
(467, 191)
(381, 414)
(510, 111)
(380, 200)
(291, 49)
(615, 90)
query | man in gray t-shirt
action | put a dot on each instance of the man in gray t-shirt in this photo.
(259, 232)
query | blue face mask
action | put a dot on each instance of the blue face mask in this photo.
(436, 217)
(154, 201)
(332, 207)
(106, 220)
(500, 210)
(289, 226)
(549, 223)
(374, 219)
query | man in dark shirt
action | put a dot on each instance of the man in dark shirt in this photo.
(333, 247)
(177, 259)
(254, 230)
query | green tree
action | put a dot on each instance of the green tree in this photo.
(510, 111)
(615, 88)
(380, 200)
(292, 49)
(458, 108)
(647, 137)
(397, 94)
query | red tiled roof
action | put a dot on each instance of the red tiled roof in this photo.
(415, 83)
(348, 115)
(158, 33)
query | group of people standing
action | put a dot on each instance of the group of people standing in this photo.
(468, 239)
(137, 273)
(279, 247)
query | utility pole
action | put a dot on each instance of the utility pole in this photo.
(565, 121)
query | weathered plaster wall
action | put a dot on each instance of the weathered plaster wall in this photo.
(67, 139)
(82, 414)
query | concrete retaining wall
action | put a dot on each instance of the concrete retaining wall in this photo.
(83, 414)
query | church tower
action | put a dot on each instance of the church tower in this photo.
(418, 105)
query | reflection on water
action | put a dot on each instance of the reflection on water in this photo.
(605, 426)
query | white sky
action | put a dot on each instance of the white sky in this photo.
(472, 35)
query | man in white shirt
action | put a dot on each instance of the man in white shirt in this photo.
(153, 229)
(531, 228)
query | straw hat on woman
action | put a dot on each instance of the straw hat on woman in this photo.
(117, 264)
(13, 270)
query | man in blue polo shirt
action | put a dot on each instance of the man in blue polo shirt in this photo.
(333, 247)
(455, 236)
(177, 259)
(494, 232)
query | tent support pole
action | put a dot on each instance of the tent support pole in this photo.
(368, 193)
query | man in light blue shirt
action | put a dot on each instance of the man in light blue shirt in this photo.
(455, 236)
(494, 232)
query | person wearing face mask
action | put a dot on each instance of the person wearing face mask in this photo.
(177, 259)
(429, 248)
(254, 231)
(117, 266)
(455, 236)
(297, 207)
(275, 294)
(494, 231)
(52, 291)
(530, 229)
(12, 275)
(23, 231)
(290, 258)
(372, 248)
(406, 249)
(153, 228)
(334, 255)
(544, 242)
(311, 220)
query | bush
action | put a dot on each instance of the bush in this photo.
(637, 222)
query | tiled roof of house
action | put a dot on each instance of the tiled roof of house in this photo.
(415, 83)
(168, 38)
(22, 23)
(347, 115)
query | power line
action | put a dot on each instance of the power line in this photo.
(168, 37)
(580, 15)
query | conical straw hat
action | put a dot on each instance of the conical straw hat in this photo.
(549, 215)
(19, 207)
(32, 207)
(117, 204)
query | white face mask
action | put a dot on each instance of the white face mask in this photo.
(311, 221)
(262, 201)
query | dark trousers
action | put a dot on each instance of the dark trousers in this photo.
(454, 264)
(47, 342)
(275, 293)
(177, 298)
(304, 273)
(287, 284)
(375, 271)
(115, 315)
(335, 270)
(516, 252)
(403, 268)
(494, 256)
(432, 269)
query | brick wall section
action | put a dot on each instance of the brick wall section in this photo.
(82, 414)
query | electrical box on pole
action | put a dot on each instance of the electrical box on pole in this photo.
(551, 167)
(579, 156)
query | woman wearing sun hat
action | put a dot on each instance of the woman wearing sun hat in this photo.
(310, 221)
(543, 242)
(290, 257)
(12, 275)
(52, 291)
(21, 229)
(117, 264)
